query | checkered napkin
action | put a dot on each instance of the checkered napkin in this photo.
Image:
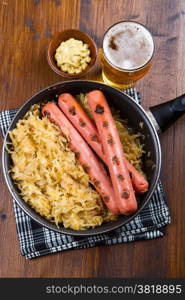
(36, 240)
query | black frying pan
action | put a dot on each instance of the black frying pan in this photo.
(162, 115)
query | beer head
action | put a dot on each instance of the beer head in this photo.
(128, 45)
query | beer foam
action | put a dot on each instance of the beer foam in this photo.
(128, 45)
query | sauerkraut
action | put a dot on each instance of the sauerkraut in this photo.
(49, 177)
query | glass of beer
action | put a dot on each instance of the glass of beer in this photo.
(126, 54)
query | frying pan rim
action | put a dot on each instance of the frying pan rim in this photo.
(82, 233)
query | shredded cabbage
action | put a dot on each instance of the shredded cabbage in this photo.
(49, 177)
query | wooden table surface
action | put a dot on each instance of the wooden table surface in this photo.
(26, 28)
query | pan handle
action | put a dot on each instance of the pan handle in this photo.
(167, 113)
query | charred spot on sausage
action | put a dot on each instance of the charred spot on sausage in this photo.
(115, 160)
(99, 109)
(96, 183)
(46, 113)
(77, 154)
(106, 198)
(94, 138)
(120, 177)
(125, 195)
(82, 123)
(105, 124)
(72, 111)
(110, 140)
(86, 168)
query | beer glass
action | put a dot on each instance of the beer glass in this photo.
(126, 54)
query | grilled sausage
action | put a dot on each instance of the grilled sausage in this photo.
(84, 154)
(88, 130)
(139, 183)
(113, 149)
(75, 113)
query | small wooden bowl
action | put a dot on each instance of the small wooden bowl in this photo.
(63, 36)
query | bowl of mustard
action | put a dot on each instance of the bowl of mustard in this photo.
(71, 53)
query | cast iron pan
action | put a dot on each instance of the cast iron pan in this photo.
(129, 110)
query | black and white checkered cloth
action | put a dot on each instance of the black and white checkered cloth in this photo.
(36, 240)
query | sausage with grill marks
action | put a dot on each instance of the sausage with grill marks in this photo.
(88, 130)
(125, 195)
